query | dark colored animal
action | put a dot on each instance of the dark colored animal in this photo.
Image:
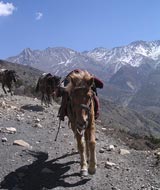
(47, 85)
(81, 115)
(7, 77)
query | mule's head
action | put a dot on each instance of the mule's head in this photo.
(81, 99)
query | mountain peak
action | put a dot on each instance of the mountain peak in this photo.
(26, 50)
(138, 42)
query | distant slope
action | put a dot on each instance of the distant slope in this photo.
(149, 94)
(125, 119)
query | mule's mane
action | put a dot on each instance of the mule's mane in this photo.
(79, 79)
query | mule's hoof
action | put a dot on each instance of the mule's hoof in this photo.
(92, 171)
(84, 173)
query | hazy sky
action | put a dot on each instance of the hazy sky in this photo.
(77, 24)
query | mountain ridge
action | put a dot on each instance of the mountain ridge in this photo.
(124, 70)
(108, 60)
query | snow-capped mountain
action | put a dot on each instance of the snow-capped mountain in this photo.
(131, 54)
(44, 59)
(58, 61)
(106, 62)
(134, 54)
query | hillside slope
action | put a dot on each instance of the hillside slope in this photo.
(122, 118)
(47, 164)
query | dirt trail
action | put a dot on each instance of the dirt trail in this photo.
(47, 164)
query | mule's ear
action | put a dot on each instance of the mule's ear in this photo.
(90, 82)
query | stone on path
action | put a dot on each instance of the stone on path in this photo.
(10, 130)
(4, 139)
(124, 151)
(21, 143)
(37, 125)
(109, 164)
(111, 148)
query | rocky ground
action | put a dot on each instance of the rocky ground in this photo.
(31, 159)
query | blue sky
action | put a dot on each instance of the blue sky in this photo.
(77, 24)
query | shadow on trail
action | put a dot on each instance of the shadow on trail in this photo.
(42, 174)
(30, 107)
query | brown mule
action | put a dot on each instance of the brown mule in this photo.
(80, 112)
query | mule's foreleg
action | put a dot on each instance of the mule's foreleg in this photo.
(42, 98)
(82, 152)
(87, 144)
(49, 99)
(92, 152)
(4, 88)
(10, 89)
